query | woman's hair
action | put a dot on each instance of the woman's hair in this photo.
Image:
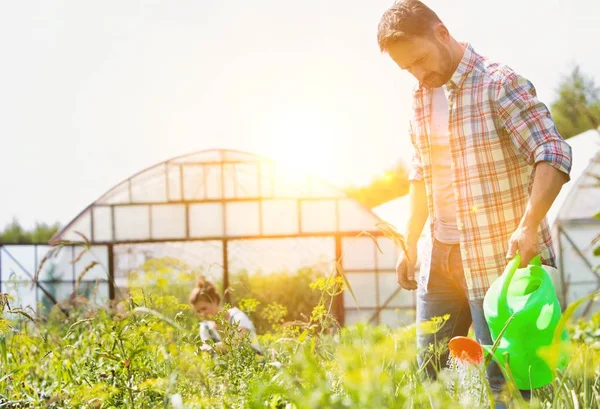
(204, 291)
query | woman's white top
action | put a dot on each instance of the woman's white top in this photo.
(239, 319)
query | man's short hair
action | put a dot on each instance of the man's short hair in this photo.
(404, 20)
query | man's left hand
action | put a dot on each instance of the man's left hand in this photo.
(524, 240)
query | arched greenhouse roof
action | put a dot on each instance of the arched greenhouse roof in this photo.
(216, 194)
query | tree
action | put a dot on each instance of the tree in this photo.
(387, 186)
(14, 233)
(577, 108)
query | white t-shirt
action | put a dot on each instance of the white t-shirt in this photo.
(444, 202)
(237, 317)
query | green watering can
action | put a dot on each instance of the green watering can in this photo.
(529, 294)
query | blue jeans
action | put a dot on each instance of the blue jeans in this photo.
(443, 291)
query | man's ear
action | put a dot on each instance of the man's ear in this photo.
(441, 33)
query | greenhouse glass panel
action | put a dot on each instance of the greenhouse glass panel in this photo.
(242, 219)
(132, 223)
(204, 256)
(168, 221)
(387, 254)
(583, 234)
(95, 292)
(577, 291)
(17, 262)
(59, 263)
(193, 182)
(150, 186)
(81, 226)
(230, 184)
(117, 195)
(318, 216)
(278, 255)
(206, 220)
(397, 318)
(364, 287)
(241, 180)
(585, 195)
(96, 256)
(212, 181)
(174, 182)
(388, 285)
(102, 223)
(20, 294)
(358, 253)
(61, 291)
(267, 180)
(280, 217)
(576, 268)
(354, 218)
(46, 260)
(352, 316)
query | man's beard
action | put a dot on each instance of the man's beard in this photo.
(436, 79)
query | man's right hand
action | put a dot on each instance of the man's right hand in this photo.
(405, 269)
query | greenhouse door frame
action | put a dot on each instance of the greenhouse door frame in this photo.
(564, 234)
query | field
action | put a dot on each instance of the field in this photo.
(145, 353)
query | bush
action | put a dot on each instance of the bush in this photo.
(270, 299)
(140, 358)
(274, 298)
(147, 353)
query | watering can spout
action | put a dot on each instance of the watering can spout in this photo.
(467, 350)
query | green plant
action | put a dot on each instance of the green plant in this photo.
(146, 353)
(275, 293)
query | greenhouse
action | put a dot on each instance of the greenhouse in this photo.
(574, 225)
(226, 212)
(223, 212)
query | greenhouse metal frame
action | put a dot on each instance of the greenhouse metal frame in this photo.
(229, 199)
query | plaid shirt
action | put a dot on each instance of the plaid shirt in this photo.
(499, 131)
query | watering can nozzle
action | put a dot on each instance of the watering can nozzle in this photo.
(466, 350)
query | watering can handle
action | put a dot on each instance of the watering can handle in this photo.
(511, 268)
(509, 271)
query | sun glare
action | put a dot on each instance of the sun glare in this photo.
(305, 142)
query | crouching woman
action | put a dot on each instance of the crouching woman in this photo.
(207, 303)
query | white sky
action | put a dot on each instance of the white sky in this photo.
(91, 92)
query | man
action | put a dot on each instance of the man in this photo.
(488, 163)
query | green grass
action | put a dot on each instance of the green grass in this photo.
(148, 356)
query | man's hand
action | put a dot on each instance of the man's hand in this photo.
(525, 240)
(405, 268)
(547, 183)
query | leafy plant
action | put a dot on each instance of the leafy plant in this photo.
(146, 353)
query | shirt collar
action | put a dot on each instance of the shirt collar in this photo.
(465, 66)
